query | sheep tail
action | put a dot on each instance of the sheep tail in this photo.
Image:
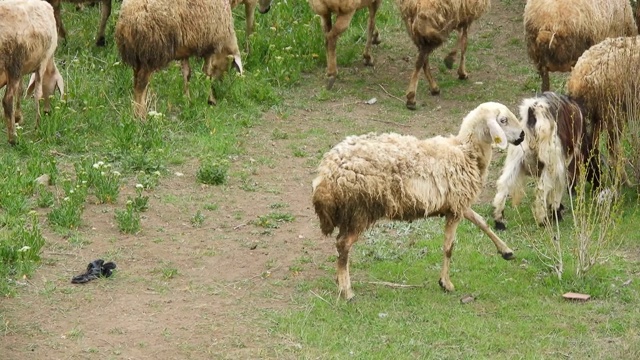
(325, 205)
(545, 38)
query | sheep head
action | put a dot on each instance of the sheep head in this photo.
(492, 123)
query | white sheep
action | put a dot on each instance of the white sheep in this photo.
(28, 41)
(557, 32)
(553, 149)
(105, 12)
(429, 23)
(152, 33)
(366, 178)
(344, 10)
(605, 79)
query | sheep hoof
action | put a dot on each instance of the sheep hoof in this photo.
(508, 256)
(12, 142)
(445, 287)
(376, 38)
(500, 226)
(330, 81)
(463, 76)
(435, 91)
(367, 60)
(101, 42)
(411, 105)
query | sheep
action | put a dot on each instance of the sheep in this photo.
(429, 23)
(369, 177)
(557, 32)
(28, 40)
(105, 12)
(150, 34)
(249, 6)
(553, 149)
(344, 10)
(605, 80)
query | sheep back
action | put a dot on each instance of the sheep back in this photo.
(365, 178)
(151, 34)
(431, 21)
(28, 37)
(557, 32)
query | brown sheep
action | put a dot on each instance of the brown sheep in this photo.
(557, 32)
(150, 34)
(370, 177)
(28, 40)
(344, 10)
(429, 23)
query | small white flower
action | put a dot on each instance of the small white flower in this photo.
(102, 173)
(84, 182)
(66, 198)
(139, 186)
(96, 166)
(18, 127)
(129, 202)
(71, 191)
(116, 173)
(24, 248)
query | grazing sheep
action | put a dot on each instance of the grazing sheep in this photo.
(554, 146)
(605, 79)
(559, 31)
(366, 178)
(429, 23)
(28, 40)
(152, 33)
(344, 10)
(105, 12)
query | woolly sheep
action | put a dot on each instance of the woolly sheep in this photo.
(554, 146)
(150, 34)
(344, 10)
(28, 40)
(366, 178)
(605, 79)
(105, 12)
(429, 23)
(557, 32)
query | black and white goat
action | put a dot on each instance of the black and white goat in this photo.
(554, 146)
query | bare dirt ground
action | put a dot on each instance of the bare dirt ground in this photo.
(186, 292)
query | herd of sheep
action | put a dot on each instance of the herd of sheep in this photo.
(366, 178)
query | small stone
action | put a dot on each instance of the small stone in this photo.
(43, 179)
(576, 296)
(371, 101)
(467, 299)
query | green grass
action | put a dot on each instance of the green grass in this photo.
(517, 312)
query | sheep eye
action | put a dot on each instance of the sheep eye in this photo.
(503, 120)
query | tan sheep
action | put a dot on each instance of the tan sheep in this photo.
(429, 23)
(605, 79)
(152, 33)
(344, 10)
(28, 40)
(557, 32)
(105, 12)
(370, 177)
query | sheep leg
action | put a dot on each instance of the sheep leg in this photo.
(331, 37)
(13, 85)
(105, 12)
(462, 40)
(544, 74)
(503, 249)
(343, 245)
(413, 81)
(186, 76)
(433, 85)
(141, 79)
(509, 182)
(449, 238)
(249, 11)
(373, 36)
(56, 4)
(544, 193)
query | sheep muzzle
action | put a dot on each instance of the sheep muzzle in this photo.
(519, 140)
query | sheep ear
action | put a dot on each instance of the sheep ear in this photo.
(32, 84)
(497, 134)
(237, 62)
(59, 82)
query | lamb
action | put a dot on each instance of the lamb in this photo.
(151, 34)
(554, 147)
(429, 23)
(344, 10)
(605, 80)
(557, 32)
(369, 177)
(105, 12)
(28, 40)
